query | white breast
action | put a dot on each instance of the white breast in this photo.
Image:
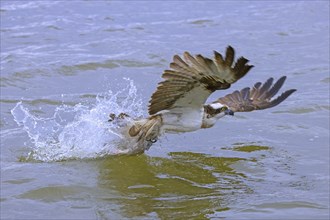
(182, 119)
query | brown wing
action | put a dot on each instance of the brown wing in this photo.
(191, 80)
(256, 98)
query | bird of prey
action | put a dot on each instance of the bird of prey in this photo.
(178, 104)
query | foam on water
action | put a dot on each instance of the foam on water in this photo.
(80, 131)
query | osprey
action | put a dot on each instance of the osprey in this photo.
(178, 104)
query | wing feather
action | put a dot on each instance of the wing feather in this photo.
(256, 98)
(177, 59)
(191, 79)
(277, 86)
(230, 53)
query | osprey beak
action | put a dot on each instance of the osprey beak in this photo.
(229, 112)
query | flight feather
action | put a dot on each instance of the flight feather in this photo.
(191, 79)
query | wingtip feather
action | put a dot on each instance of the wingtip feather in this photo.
(282, 97)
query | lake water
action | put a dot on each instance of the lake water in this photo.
(66, 64)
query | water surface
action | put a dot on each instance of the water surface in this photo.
(66, 64)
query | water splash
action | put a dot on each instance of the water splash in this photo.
(80, 131)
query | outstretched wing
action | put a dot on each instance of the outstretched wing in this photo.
(256, 98)
(191, 80)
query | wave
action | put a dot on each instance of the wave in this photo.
(79, 131)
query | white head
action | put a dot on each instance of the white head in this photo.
(213, 112)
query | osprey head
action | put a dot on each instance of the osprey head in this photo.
(213, 112)
(217, 110)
